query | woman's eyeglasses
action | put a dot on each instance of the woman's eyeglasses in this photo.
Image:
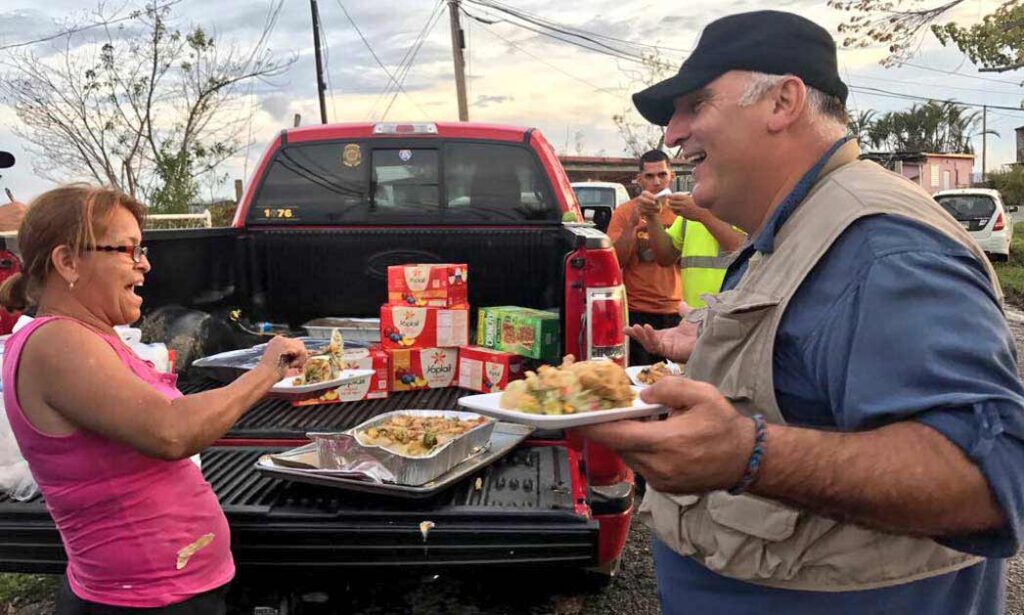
(136, 252)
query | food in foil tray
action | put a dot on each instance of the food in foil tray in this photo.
(416, 436)
(654, 373)
(575, 386)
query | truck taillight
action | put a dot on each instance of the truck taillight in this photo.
(606, 321)
(1000, 223)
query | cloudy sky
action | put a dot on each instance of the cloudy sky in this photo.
(515, 76)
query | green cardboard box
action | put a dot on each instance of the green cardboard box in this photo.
(524, 331)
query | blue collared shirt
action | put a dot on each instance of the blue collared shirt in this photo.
(896, 322)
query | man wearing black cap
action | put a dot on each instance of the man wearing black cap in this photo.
(850, 437)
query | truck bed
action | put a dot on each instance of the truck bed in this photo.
(524, 513)
(530, 507)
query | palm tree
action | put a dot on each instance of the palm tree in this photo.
(860, 125)
(939, 127)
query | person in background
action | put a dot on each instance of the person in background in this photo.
(652, 289)
(108, 438)
(701, 243)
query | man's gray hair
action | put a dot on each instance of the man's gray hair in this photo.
(828, 113)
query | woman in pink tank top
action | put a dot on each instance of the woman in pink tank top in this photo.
(106, 436)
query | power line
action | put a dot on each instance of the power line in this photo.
(327, 62)
(948, 87)
(427, 26)
(549, 31)
(77, 29)
(886, 93)
(607, 91)
(377, 59)
(412, 57)
(538, 20)
(950, 72)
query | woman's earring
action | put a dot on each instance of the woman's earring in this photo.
(71, 285)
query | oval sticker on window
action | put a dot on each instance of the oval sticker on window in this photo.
(351, 156)
(405, 155)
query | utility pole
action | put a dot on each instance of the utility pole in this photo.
(458, 44)
(984, 139)
(320, 86)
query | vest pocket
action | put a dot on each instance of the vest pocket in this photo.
(753, 516)
(733, 313)
(663, 513)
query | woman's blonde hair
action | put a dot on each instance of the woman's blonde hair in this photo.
(74, 216)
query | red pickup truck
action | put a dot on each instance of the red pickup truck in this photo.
(327, 210)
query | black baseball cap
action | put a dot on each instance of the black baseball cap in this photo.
(771, 42)
(6, 160)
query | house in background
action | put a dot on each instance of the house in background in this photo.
(933, 172)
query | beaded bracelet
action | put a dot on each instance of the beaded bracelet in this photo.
(754, 463)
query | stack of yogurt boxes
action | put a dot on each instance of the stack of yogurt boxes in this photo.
(424, 328)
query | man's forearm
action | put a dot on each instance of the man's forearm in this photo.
(905, 478)
(665, 252)
(728, 238)
(624, 246)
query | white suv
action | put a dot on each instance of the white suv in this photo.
(598, 200)
(982, 213)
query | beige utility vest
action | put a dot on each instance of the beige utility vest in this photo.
(760, 540)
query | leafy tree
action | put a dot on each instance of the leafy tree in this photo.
(146, 111)
(1010, 183)
(637, 133)
(859, 125)
(994, 45)
(944, 127)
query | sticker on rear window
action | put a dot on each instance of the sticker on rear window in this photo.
(405, 155)
(352, 155)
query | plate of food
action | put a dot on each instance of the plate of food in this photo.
(574, 394)
(322, 371)
(646, 375)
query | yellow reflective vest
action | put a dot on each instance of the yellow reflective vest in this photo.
(702, 261)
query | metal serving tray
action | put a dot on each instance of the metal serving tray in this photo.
(339, 451)
(364, 330)
(300, 465)
(227, 366)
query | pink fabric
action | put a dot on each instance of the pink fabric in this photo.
(123, 516)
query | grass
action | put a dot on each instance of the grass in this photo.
(1011, 273)
(18, 590)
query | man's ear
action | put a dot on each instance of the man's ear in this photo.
(65, 263)
(788, 99)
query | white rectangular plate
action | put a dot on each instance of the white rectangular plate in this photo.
(285, 386)
(487, 404)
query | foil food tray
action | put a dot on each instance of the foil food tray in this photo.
(301, 465)
(342, 451)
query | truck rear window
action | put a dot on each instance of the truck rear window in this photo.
(384, 183)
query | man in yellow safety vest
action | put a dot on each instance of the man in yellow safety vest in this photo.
(704, 242)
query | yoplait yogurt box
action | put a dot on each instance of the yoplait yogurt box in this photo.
(370, 387)
(423, 327)
(423, 368)
(486, 370)
(428, 285)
